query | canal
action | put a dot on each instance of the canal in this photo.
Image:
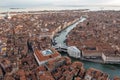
(112, 70)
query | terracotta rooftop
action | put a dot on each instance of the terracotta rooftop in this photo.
(21, 73)
(41, 57)
(46, 76)
(40, 68)
(116, 78)
(78, 78)
(94, 73)
(8, 77)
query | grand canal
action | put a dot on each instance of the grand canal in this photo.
(112, 70)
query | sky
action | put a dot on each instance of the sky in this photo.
(13, 3)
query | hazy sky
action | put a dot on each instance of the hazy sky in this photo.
(11, 3)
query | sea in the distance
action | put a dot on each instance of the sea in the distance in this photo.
(42, 8)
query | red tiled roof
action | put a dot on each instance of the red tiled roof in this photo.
(41, 57)
(97, 73)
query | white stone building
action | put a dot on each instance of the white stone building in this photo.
(110, 59)
(74, 52)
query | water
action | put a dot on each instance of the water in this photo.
(62, 36)
(41, 8)
(112, 70)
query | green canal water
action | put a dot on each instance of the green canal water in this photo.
(112, 70)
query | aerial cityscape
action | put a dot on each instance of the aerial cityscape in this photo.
(68, 43)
